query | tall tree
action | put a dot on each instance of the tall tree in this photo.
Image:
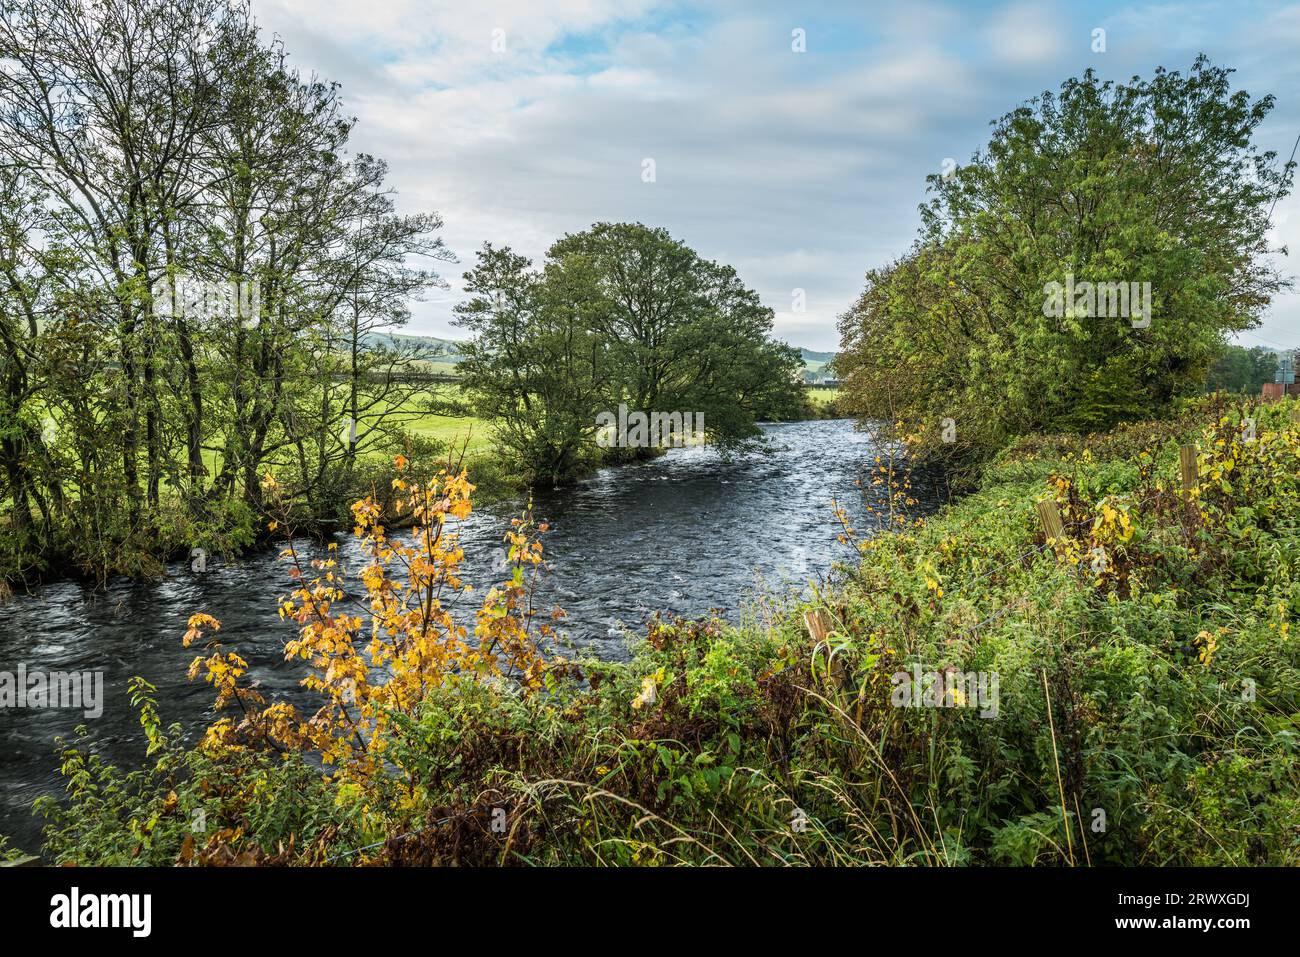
(534, 366)
(1153, 181)
(621, 314)
(681, 333)
(150, 143)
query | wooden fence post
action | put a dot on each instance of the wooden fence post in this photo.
(1050, 516)
(1187, 465)
(819, 628)
(818, 623)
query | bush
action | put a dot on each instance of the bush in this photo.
(1148, 682)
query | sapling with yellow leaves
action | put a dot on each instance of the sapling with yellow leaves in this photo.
(374, 659)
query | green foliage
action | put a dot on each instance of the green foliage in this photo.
(619, 314)
(136, 420)
(1157, 692)
(1242, 370)
(1099, 183)
(531, 367)
(182, 802)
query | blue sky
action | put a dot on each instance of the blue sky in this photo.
(802, 170)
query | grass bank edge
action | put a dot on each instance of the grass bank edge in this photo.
(1123, 734)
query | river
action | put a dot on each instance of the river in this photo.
(684, 533)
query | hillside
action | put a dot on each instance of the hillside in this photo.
(449, 350)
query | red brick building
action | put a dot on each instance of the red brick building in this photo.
(1277, 390)
(1284, 382)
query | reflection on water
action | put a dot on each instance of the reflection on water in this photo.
(685, 533)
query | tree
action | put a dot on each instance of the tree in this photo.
(1264, 363)
(148, 142)
(619, 315)
(534, 367)
(1091, 190)
(681, 333)
(104, 106)
(1242, 370)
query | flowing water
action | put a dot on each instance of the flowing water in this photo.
(685, 533)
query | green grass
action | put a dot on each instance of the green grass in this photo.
(820, 396)
(453, 430)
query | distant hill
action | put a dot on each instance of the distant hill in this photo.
(814, 363)
(815, 360)
(449, 350)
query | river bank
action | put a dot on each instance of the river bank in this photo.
(1136, 709)
(682, 533)
(230, 531)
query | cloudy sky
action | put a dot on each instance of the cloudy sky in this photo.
(521, 120)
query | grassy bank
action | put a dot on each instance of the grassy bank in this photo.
(1145, 707)
(225, 524)
(425, 426)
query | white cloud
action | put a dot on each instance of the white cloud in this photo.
(1026, 34)
(801, 170)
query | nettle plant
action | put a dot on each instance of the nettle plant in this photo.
(1133, 540)
(377, 658)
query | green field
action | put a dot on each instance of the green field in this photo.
(455, 430)
(820, 397)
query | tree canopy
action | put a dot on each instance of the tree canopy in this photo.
(159, 143)
(621, 314)
(1147, 187)
(1242, 370)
